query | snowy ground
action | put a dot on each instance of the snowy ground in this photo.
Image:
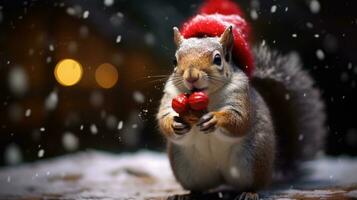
(147, 175)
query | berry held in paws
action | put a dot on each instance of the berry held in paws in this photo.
(197, 101)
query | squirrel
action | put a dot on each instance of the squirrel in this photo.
(264, 114)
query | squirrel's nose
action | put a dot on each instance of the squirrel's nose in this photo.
(192, 79)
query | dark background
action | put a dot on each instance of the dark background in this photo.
(28, 28)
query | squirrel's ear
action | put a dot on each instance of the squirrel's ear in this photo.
(178, 38)
(226, 39)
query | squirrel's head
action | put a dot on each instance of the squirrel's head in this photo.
(203, 63)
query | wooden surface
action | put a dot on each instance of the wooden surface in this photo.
(147, 175)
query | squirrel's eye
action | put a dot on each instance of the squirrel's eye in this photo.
(174, 62)
(217, 60)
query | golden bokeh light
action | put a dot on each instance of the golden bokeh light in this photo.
(106, 75)
(68, 72)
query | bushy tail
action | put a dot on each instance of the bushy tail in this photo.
(295, 105)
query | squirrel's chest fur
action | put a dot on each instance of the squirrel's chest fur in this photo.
(207, 160)
(211, 160)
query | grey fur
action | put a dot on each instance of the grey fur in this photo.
(294, 102)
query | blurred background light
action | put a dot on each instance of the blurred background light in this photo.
(68, 72)
(106, 75)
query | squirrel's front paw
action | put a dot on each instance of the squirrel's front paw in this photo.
(207, 122)
(179, 126)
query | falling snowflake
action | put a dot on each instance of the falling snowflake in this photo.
(108, 2)
(273, 9)
(314, 6)
(12, 154)
(70, 141)
(42, 129)
(254, 14)
(93, 129)
(138, 97)
(18, 80)
(117, 19)
(301, 137)
(71, 11)
(48, 59)
(51, 100)
(28, 112)
(320, 54)
(118, 39)
(40, 153)
(294, 35)
(120, 125)
(149, 39)
(309, 25)
(85, 14)
(51, 47)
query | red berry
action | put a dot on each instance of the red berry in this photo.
(198, 101)
(180, 103)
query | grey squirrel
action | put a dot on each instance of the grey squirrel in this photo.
(255, 126)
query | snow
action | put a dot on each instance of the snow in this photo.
(51, 100)
(40, 153)
(93, 129)
(254, 14)
(18, 80)
(149, 39)
(314, 6)
(287, 96)
(118, 39)
(28, 112)
(48, 59)
(71, 11)
(138, 97)
(120, 125)
(294, 35)
(117, 19)
(108, 2)
(92, 175)
(320, 54)
(51, 47)
(301, 137)
(146, 174)
(273, 9)
(12, 154)
(309, 25)
(69, 141)
(85, 14)
(42, 129)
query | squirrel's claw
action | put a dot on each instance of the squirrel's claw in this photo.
(179, 126)
(207, 123)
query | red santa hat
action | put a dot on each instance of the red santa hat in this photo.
(213, 18)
